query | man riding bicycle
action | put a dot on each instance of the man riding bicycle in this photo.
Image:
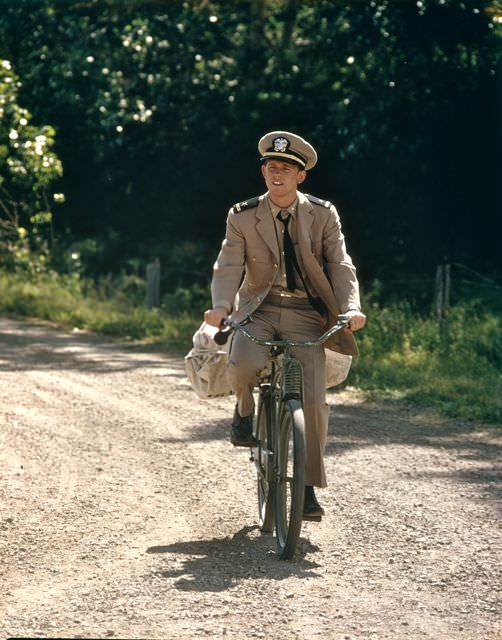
(284, 266)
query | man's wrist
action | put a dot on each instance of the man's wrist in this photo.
(222, 305)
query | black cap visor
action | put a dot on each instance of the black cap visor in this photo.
(280, 156)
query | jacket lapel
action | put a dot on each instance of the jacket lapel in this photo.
(265, 227)
(313, 269)
(305, 218)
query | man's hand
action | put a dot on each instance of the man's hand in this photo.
(357, 320)
(216, 316)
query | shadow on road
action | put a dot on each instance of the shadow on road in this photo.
(221, 563)
(27, 346)
(366, 425)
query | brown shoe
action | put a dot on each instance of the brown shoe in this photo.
(312, 510)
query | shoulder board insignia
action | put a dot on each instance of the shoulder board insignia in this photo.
(322, 203)
(252, 203)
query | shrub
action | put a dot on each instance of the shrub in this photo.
(456, 367)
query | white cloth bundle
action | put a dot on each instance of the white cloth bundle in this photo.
(206, 364)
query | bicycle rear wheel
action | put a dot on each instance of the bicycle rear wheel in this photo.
(290, 482)
(263, 457)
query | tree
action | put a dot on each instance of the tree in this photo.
(28, 167)
(158, 107)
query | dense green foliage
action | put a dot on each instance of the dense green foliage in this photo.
(158, 107)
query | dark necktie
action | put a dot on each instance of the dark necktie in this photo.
(289, 252)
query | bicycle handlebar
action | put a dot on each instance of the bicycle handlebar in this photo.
(222, 336)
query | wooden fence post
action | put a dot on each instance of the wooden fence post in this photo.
(447, 286)
(153, 284)
(439, 292)
(443, 290)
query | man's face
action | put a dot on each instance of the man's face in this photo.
(282, 178)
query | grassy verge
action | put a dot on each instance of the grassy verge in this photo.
(456, 369)
(71, 302)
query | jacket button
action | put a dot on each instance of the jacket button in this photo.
(275, 265)
(253, 259)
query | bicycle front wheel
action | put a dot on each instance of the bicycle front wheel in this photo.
(263, 458)
(290, 480)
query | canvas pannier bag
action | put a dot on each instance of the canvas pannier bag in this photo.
(206, 364)
(337, 367)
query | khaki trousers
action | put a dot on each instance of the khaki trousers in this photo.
(291, 318)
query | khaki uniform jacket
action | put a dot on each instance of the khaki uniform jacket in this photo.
(249, 259)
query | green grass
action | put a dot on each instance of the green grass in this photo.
(71, 302)
(456, 369)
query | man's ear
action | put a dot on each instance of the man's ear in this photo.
(263, 165)
(301, 176)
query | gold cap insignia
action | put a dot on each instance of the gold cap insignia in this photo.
(280, 144)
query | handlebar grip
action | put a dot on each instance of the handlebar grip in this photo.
(221, 337)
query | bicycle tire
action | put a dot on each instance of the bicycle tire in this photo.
(264, 462)
(289, 490)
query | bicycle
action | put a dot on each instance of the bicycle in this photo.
(279, 456)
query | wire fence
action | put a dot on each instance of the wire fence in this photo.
(452, 284)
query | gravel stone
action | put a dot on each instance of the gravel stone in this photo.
(125, 512)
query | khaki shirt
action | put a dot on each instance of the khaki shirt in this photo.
(280, 285)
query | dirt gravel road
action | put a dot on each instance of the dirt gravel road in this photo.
(126, 513)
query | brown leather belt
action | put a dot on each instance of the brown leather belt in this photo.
(279, 298)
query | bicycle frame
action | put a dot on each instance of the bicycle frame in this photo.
(291, 381)
(280, 405)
